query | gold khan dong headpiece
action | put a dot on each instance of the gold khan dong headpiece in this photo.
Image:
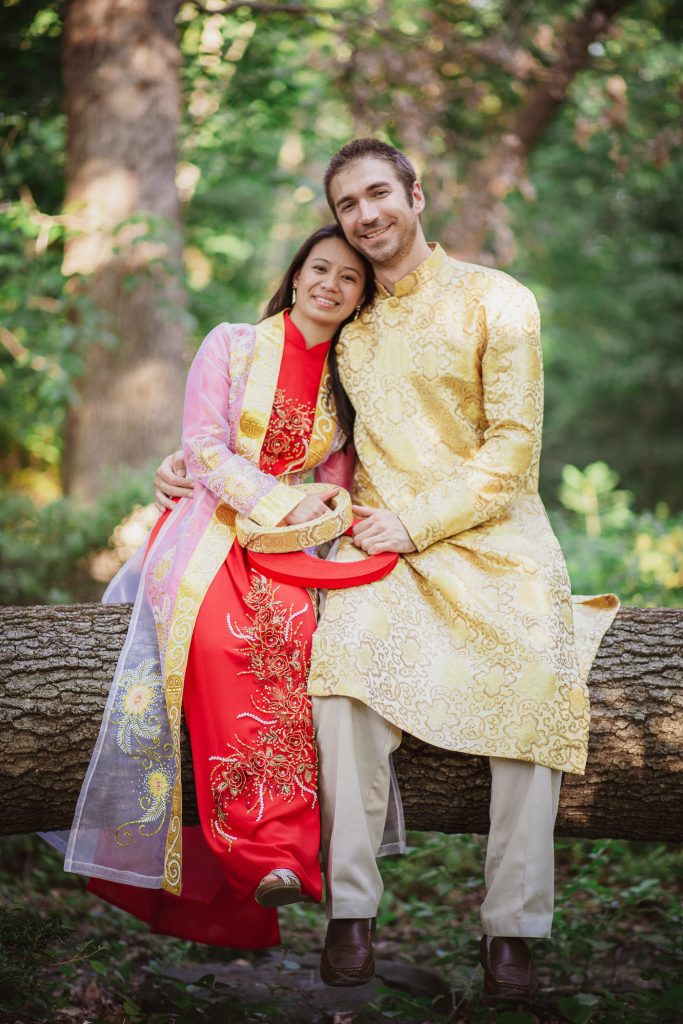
(282, 554)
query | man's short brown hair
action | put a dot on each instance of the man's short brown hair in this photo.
(358, 149)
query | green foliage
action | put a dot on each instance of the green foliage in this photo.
(599, 241)
(610, 546)
(27, 940)
(614, 958)
(267, 99)
(47, 327)
(44, 550)
(31, 118)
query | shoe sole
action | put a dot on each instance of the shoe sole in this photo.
(280, 896)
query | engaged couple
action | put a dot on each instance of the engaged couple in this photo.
(413, 381)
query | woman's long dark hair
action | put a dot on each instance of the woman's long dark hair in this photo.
(282, 299)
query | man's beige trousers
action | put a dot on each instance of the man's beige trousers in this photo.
(354, 747)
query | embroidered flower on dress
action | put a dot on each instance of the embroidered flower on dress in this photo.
(288, 431)
(158, 785)
(138, 735)
(138, 699)
(281, 762)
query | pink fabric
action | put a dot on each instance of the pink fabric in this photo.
(338, 468)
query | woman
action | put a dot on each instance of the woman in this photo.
(222, 641)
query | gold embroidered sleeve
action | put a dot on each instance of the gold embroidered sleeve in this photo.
(278, 503)
(482, 486)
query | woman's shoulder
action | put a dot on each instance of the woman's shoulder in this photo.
(228, 335)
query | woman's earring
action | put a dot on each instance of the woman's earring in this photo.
(357, 313)
(293, 294)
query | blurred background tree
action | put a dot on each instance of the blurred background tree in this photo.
(548, 139)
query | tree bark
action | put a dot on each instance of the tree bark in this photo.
(57, 664)
(122, 98)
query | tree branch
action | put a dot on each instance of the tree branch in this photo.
(502, 169)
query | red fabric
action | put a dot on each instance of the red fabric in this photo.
(306, 570)
(250, 724)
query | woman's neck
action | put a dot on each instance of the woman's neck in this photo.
(313, 333)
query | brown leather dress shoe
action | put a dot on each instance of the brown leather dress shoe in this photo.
(508, 974)
(348, 958)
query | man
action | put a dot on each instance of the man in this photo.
(469, 642)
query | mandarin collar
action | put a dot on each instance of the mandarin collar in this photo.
(416, 278)
(294, 336)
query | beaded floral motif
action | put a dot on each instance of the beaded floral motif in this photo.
(159, 596)
(281, 762)
(288, 431)
(138, 735)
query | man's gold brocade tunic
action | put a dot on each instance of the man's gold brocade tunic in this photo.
(469, 643)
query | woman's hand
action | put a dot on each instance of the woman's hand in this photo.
(380, 530)
(312, 506)
(171, 481)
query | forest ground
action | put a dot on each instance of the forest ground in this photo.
(616, 953)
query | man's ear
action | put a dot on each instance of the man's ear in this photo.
(419, 201)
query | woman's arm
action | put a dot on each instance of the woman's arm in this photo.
(483, 486)
(206, 440)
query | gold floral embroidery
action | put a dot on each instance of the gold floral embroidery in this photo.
(447, 435)
(288, 431)
(282, 761)
(138, 734)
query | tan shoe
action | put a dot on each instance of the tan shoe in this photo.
(280, 890)
(348, 957)
(508, 974)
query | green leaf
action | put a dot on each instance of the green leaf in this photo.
(578, 1009)
(672, 999)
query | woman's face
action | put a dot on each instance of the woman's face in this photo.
(330, 284)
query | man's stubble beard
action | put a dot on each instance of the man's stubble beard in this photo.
(396, 252)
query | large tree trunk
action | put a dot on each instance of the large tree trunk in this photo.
(122, 98)
(57, 664)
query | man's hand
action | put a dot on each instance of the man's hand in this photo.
(171, 481)
(312, 506)
(380, 530)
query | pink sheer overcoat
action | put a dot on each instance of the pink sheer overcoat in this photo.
(127, 825)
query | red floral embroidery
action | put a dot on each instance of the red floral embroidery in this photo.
(282, 762)
(289, 430)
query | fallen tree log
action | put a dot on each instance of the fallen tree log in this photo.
(56, 664)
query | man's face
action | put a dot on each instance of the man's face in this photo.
(373, 210)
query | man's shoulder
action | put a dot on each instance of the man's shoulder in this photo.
(488, 281)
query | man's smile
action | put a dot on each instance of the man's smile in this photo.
(376, 232)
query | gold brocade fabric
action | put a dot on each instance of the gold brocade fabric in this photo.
(311, 534)
(470, 642)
